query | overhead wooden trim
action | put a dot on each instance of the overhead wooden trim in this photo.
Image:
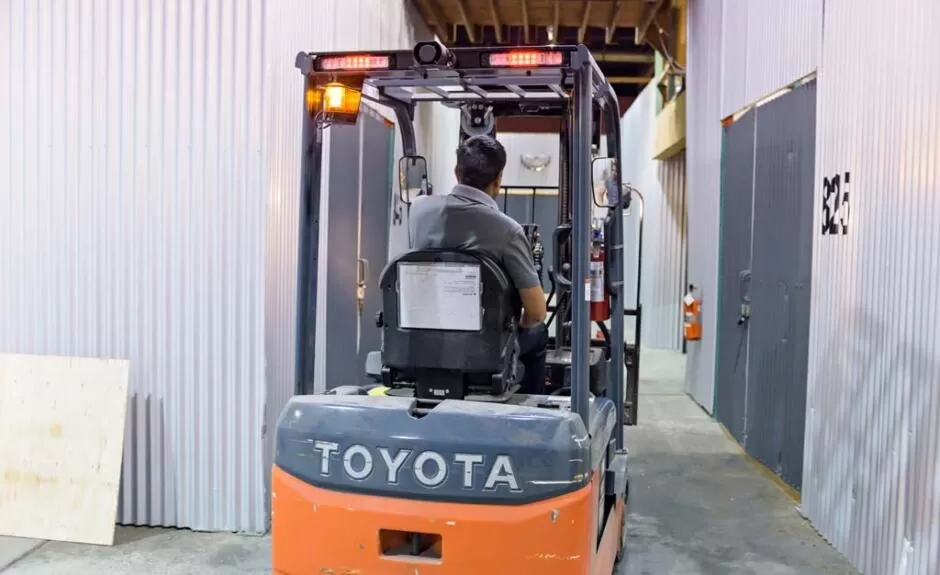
(462, 8)
(497, 26)
(585, 18)
(612, 27)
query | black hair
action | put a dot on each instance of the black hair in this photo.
(480, 159)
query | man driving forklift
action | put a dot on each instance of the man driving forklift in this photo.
(469, 219)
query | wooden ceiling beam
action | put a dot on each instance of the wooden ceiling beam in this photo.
(650, 11)
(629, 79)
(525, 21)
(437, 20)
(497, 26)
(556, 15)
(624, 57)
(471, 33)
(612, 26)
(585, 18)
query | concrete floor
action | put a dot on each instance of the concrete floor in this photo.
(697, 507)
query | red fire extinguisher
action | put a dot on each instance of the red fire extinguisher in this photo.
(692, 315)
(599, 297)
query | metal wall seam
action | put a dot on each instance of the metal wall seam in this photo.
(703, 156)
(766, 45)
(871, 472)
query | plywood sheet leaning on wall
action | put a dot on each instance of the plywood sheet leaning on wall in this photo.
(61, 445)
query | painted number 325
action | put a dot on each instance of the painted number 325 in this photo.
(835, 205)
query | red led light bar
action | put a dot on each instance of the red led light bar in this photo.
(526, 59)
(353, 62)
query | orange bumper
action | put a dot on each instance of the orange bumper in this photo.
(321, 532)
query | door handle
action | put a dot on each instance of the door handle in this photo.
(362, 271)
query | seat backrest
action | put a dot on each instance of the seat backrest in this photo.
(447, 310)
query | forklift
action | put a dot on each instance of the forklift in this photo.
(442, 467)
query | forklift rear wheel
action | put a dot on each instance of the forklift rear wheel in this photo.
(622, 551)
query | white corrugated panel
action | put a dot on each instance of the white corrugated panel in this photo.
(148, 210)
(662, 185)
(132, 217)
(703, 155)
(871, 474)
(766, 45)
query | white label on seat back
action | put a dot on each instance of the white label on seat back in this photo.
(440, 295)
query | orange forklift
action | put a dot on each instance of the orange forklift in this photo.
(442, 467)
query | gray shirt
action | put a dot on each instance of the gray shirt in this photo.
(469, 219)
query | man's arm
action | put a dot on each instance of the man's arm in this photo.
(517, 260)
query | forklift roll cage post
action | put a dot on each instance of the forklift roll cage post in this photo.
(576, 86)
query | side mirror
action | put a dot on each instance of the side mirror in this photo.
(412, 178)
(604, 178)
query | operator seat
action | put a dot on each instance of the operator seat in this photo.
(448, 321)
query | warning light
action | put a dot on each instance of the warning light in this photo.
(526, 59)
(353, 62)
(338, 99)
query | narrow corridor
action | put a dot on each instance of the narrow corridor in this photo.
(697, 506)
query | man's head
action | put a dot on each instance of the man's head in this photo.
(480, 163)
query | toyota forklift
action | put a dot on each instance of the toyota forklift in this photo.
(442, 467)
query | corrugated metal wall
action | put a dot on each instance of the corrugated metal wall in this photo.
(703, 153)
(134, 227)
(148, 193)
(663, 187)
(871, 475)
(767, 44)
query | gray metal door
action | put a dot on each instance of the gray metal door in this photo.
(342, 325)
(780, 284)
(376, 190)
(737, 171)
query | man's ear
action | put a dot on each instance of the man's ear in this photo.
(457, 174)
